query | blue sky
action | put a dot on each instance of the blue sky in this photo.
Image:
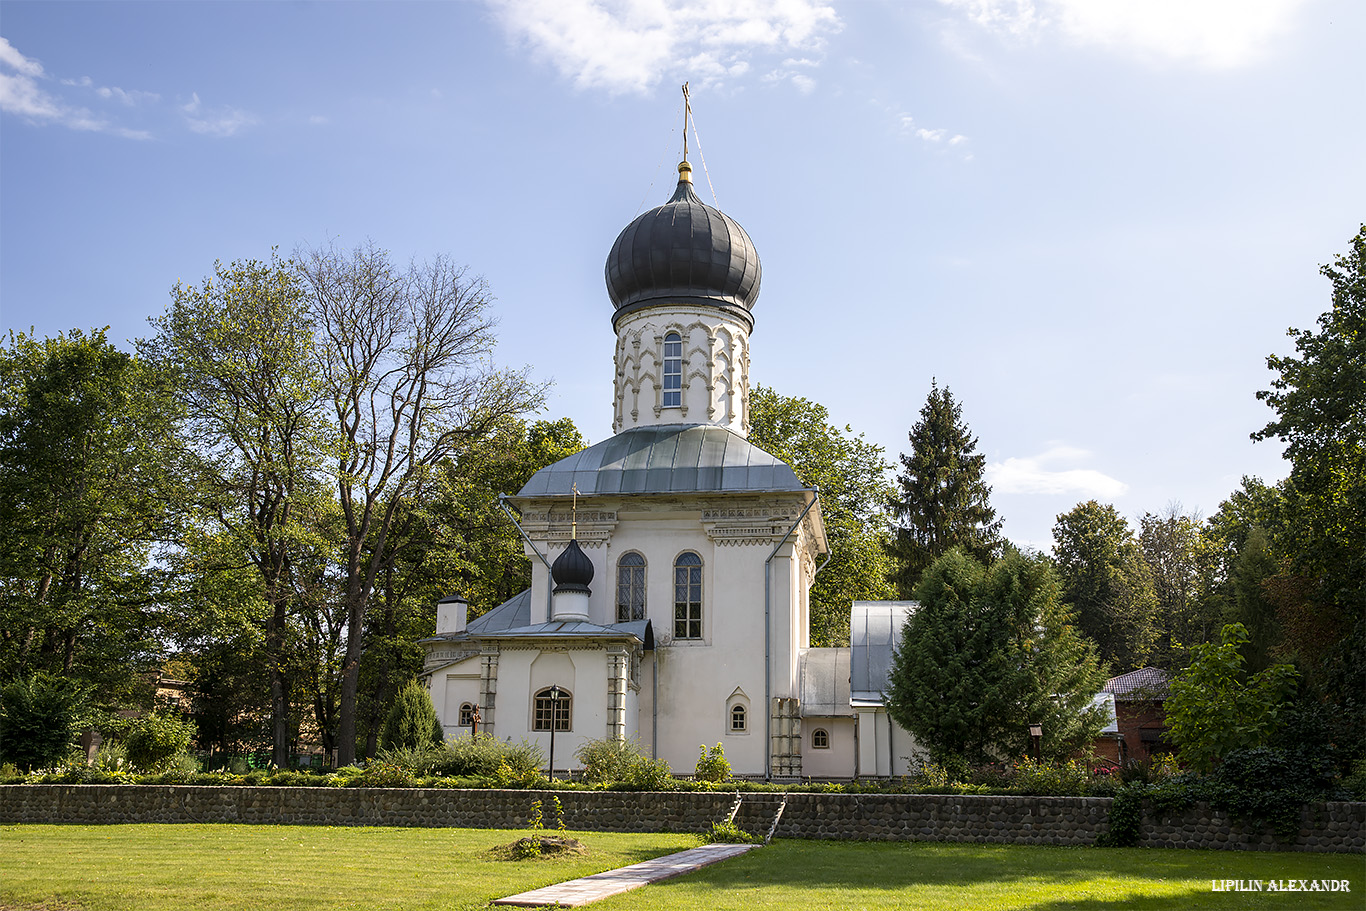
(1092, 221)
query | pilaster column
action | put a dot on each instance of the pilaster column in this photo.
(617, 658)
(488, 686)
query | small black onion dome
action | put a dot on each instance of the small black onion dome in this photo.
(572, 570)
(684, 251)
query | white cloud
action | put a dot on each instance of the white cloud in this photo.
(220, 122)
(933, 137)
(626, 46)
(1037, 475)
(1219, 34)
(11, 58)
(22, 94)
(130, 99)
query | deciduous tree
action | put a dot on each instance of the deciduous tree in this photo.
(83, 493)
(1181, 566)
(241, 345)
(1321, 417)
(1215, 706)
(851, 474)
(1107, 582)
(405, 367)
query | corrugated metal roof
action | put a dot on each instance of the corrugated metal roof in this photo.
(665, 458)
(874, 632)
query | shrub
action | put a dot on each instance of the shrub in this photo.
(1047, 779)
(111, 756)
(606, 761)
(420, 760)
(1271, 785)
(39, 718)
(1355, 783)
(727, 833)
(712, 765)
(932, 777)
(411, 722)
(381, 774)
(1216, 707)
(649, 775)
(509, 776)
(155, 740)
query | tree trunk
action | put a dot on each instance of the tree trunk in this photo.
(350, 681)
(279, 694)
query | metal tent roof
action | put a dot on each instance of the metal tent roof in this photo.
(665, 458)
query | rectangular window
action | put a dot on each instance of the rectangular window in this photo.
(630, 588)
(673, 371)
(687, 602)
(545, 708)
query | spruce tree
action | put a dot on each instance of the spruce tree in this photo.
(942, 501)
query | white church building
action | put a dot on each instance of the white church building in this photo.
(671, 563)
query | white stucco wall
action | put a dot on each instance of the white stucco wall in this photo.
(836, 761)
(884, 748)
(715, 368)
(732, 535)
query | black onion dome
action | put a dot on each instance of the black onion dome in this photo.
(572, 570)
(684, 251)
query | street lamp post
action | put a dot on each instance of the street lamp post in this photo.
(1036, 740)
(554, 694)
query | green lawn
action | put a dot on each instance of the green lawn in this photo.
(849, 876)
(309, 868)
(212, 867)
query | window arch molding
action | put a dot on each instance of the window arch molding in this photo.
(672, 373)
(544, 708)
(737, 713)
(687, 595)
(631, 568)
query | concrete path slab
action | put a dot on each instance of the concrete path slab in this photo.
(577, 892)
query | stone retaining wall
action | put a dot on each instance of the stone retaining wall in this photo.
(1335, 827)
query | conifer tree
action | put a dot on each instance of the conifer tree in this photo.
(411, 722)
(987, 652)
(941, 501)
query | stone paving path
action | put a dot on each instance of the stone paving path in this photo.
(577, 892)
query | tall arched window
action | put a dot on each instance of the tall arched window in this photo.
(673, 370)
(547, 708)
(630, 588)
(739, 721)
(688, 596)
(466, 715)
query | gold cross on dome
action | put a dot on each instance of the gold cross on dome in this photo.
(574, 513)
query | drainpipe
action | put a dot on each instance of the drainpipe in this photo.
(768, 634)
(654, 705)
(549, 610)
